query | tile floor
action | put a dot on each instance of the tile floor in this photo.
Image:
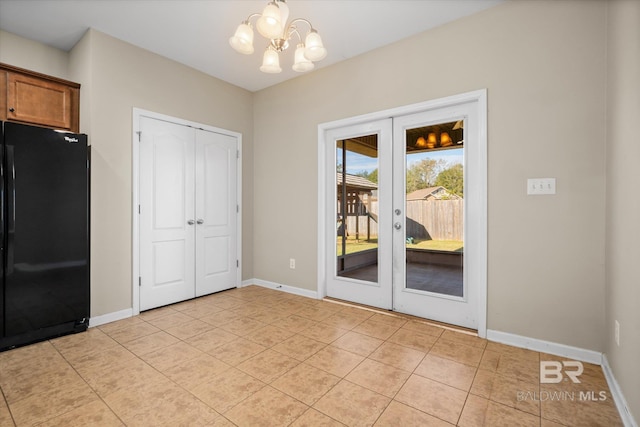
(259, 357)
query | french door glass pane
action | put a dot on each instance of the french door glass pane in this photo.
(435, 208)
(357, 208)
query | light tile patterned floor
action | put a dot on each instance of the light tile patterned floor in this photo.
(258, 357)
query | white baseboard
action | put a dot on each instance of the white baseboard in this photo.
(574, 353)
(124, 314)
(562, 350)
(110, 317)
(279, 287)
(618, 397)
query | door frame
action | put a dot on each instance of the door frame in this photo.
(479, 99)
(137, 114)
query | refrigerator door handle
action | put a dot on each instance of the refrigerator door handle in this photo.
(11, 207)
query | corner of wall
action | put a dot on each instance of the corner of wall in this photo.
(32, 55)
(622, 208)
(80, 70)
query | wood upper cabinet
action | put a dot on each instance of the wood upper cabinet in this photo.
(38, 99)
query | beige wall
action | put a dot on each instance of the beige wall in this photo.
(116, 77)
(80, 70)
(122, 77)
(23, 53)
(543, 64)
(623, 204)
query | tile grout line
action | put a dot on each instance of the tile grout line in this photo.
(236, 367)
(85, 381)
(220, 414)
(153, 367)
(6, 403)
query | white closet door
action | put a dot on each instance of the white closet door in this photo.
(216, 212)
(167, 238)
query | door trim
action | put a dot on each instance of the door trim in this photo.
(137, 114)
(479, 99)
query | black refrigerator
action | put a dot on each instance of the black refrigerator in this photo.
(44, 216)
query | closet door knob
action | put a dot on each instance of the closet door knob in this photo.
(191, 222)
(200, 221)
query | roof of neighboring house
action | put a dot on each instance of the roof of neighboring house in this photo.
(431, 192)
(357, 182)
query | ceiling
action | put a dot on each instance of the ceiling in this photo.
(196, 32)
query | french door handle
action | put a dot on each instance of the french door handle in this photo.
(191, 222)
(200, 221)
(397, 226)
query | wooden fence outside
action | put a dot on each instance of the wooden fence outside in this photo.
(433, 219)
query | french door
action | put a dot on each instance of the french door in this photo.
(188, 228)
(433, 272)
(404, 220)
(359, 237)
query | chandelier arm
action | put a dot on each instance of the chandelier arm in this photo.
(299, 20)
(291, 29)
(253, 15)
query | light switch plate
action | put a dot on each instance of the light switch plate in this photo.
(541, 186)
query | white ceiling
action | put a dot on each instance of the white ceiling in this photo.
(196, 32)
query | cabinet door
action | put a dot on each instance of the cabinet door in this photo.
(37, 101)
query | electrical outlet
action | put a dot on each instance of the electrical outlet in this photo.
(292, 263)
(541, 186)
(616, 333)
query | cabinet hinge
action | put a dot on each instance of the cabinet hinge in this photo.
(237, 208)
(140, 281)
(237, 263)
(139, 135)
(237, 154)
(139, 208)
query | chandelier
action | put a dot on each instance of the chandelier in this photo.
(272, 24)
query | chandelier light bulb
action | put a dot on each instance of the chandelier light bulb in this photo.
(431, 140)
(270, 62)
(270, 22)
(445, 140)
(315, 50)
(301, 64)
(242, 41)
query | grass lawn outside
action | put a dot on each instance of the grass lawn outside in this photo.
(356, 246)
(438, 245)
(433, 245)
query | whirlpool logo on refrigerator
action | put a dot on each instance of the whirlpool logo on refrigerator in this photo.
(70, 139)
